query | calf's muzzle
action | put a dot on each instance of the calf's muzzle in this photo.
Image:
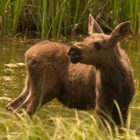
(75, 54)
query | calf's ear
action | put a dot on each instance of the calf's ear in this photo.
(121, 31)
(93, 26)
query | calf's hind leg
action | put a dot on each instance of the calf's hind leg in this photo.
(43, 88)
(21, 98)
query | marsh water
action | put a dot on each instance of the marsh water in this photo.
(12, 74)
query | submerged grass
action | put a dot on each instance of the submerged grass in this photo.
(57, 18)
(79, 126)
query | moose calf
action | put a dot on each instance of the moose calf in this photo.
(50, 74)
(115, 80)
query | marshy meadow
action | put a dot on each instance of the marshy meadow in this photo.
(25, 22)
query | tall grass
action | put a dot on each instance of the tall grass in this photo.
(57, 18)
(16, 14)
(5, 15)
(78, 126)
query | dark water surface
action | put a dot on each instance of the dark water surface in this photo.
(12, 74)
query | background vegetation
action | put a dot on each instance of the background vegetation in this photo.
(61, 18)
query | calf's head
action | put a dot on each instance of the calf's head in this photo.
(98, 49)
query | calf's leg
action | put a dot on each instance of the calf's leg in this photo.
(44, 86)
(21, 98)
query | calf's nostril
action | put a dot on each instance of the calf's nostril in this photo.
(75, 54)
(74, 51)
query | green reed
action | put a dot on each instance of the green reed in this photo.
(16, 13)
(78, 126)
(60, 18)
(5, 15)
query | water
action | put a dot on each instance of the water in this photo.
(12, 74)
(133, 50)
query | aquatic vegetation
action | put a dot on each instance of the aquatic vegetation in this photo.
(60, 18)
(77, 126)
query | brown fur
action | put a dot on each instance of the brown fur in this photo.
(115, 80)
(50, 74)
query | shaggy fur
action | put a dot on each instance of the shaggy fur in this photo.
(51, 75)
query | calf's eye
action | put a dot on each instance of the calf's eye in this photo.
(97, 45)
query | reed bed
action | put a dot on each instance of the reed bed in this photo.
(78, 126)
(62, 18)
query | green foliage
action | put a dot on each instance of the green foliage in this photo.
(56, 18)
(16, 14)
(5, 23)
(78, 126)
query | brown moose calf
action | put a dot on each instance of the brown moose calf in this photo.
(50, 74)
(115, 81)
